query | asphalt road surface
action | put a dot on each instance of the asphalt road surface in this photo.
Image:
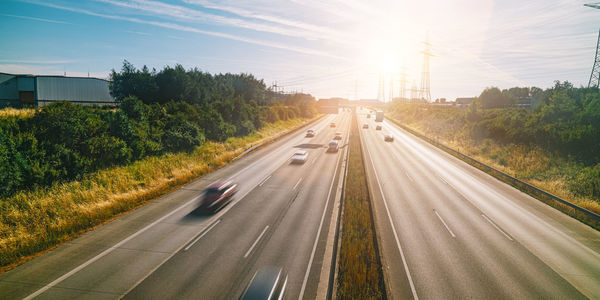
(450, 231)
(446, 231)
(169, 250)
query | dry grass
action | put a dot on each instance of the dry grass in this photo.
(531, 164)
(13, 112)
(360, 275)
(33, 221)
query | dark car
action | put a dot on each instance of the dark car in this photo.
(368, 116)
(332, 125)
(310, 133)
(378, 127)
(217, 195)
(388, 138)
(268, 283)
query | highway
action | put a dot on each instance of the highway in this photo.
(167, 249)
(445, 230)
(449, 231)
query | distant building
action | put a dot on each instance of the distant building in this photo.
(464, 102)
(40, 90)
(369, 102)
(328, 105)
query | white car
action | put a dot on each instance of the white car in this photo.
(366, 126)
(299, 157)
(333, 146)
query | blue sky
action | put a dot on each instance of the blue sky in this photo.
(322, 47)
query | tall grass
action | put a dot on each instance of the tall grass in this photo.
(13, 112)
(360, 275)
(33, 221)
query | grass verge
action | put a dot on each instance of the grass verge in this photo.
(359, 275)
(514, 160)
(38, 220)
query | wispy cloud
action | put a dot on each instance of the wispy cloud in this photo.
(36, 19)
(36, 62)
(137, 32)
(318, 31)
(178, 27)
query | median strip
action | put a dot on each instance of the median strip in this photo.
(360, 274)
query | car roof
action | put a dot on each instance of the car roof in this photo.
(218, 184)
(263, 283)
(333, 142)
(300, 152)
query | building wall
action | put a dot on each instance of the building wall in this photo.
(78, 90)
(9, 93)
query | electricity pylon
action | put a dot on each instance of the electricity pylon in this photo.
(425, 92)
(595, 76)
(403, 82)
(381, 89)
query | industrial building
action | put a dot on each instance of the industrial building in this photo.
(40, 90)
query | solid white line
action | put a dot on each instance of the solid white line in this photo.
(496, 226)
(297, 183)
(312, 254)
(264, 180)
(444, 180)
(443, 222)
(412, 285)
(105, 252)
(203, 234)
(255, 242)
(109, 250)
(411, 179)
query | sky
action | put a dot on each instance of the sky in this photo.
(328, 48)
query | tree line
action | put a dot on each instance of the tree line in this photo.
(563, 120)
(170, 110)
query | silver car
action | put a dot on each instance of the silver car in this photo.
(299, 157)
(333, 146)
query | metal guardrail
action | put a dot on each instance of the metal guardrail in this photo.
(531, 189)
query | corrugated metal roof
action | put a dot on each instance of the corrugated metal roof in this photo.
(58, 88)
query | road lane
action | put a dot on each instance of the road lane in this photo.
(124, 265)
(480, 261)
(217, 266)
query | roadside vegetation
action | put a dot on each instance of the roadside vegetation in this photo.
(66, 168)
(359, 275)
(554, 145)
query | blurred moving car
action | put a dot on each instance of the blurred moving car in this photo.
(366, 126)
(378, 127)
(299, 157)
(333, 146)
(337, 136)
(310, 133)
(388, 138)
(267, 283)
(368, 116)
(332, 125)
(217, 195)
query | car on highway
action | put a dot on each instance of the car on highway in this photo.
(366, 126)
(217, 195)
(368, 116)
(378, 127)
(267, 283)
(337, 136)
(333, 146)
(388, 138)
(310, 133)
(331, 125)
(299, 157)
